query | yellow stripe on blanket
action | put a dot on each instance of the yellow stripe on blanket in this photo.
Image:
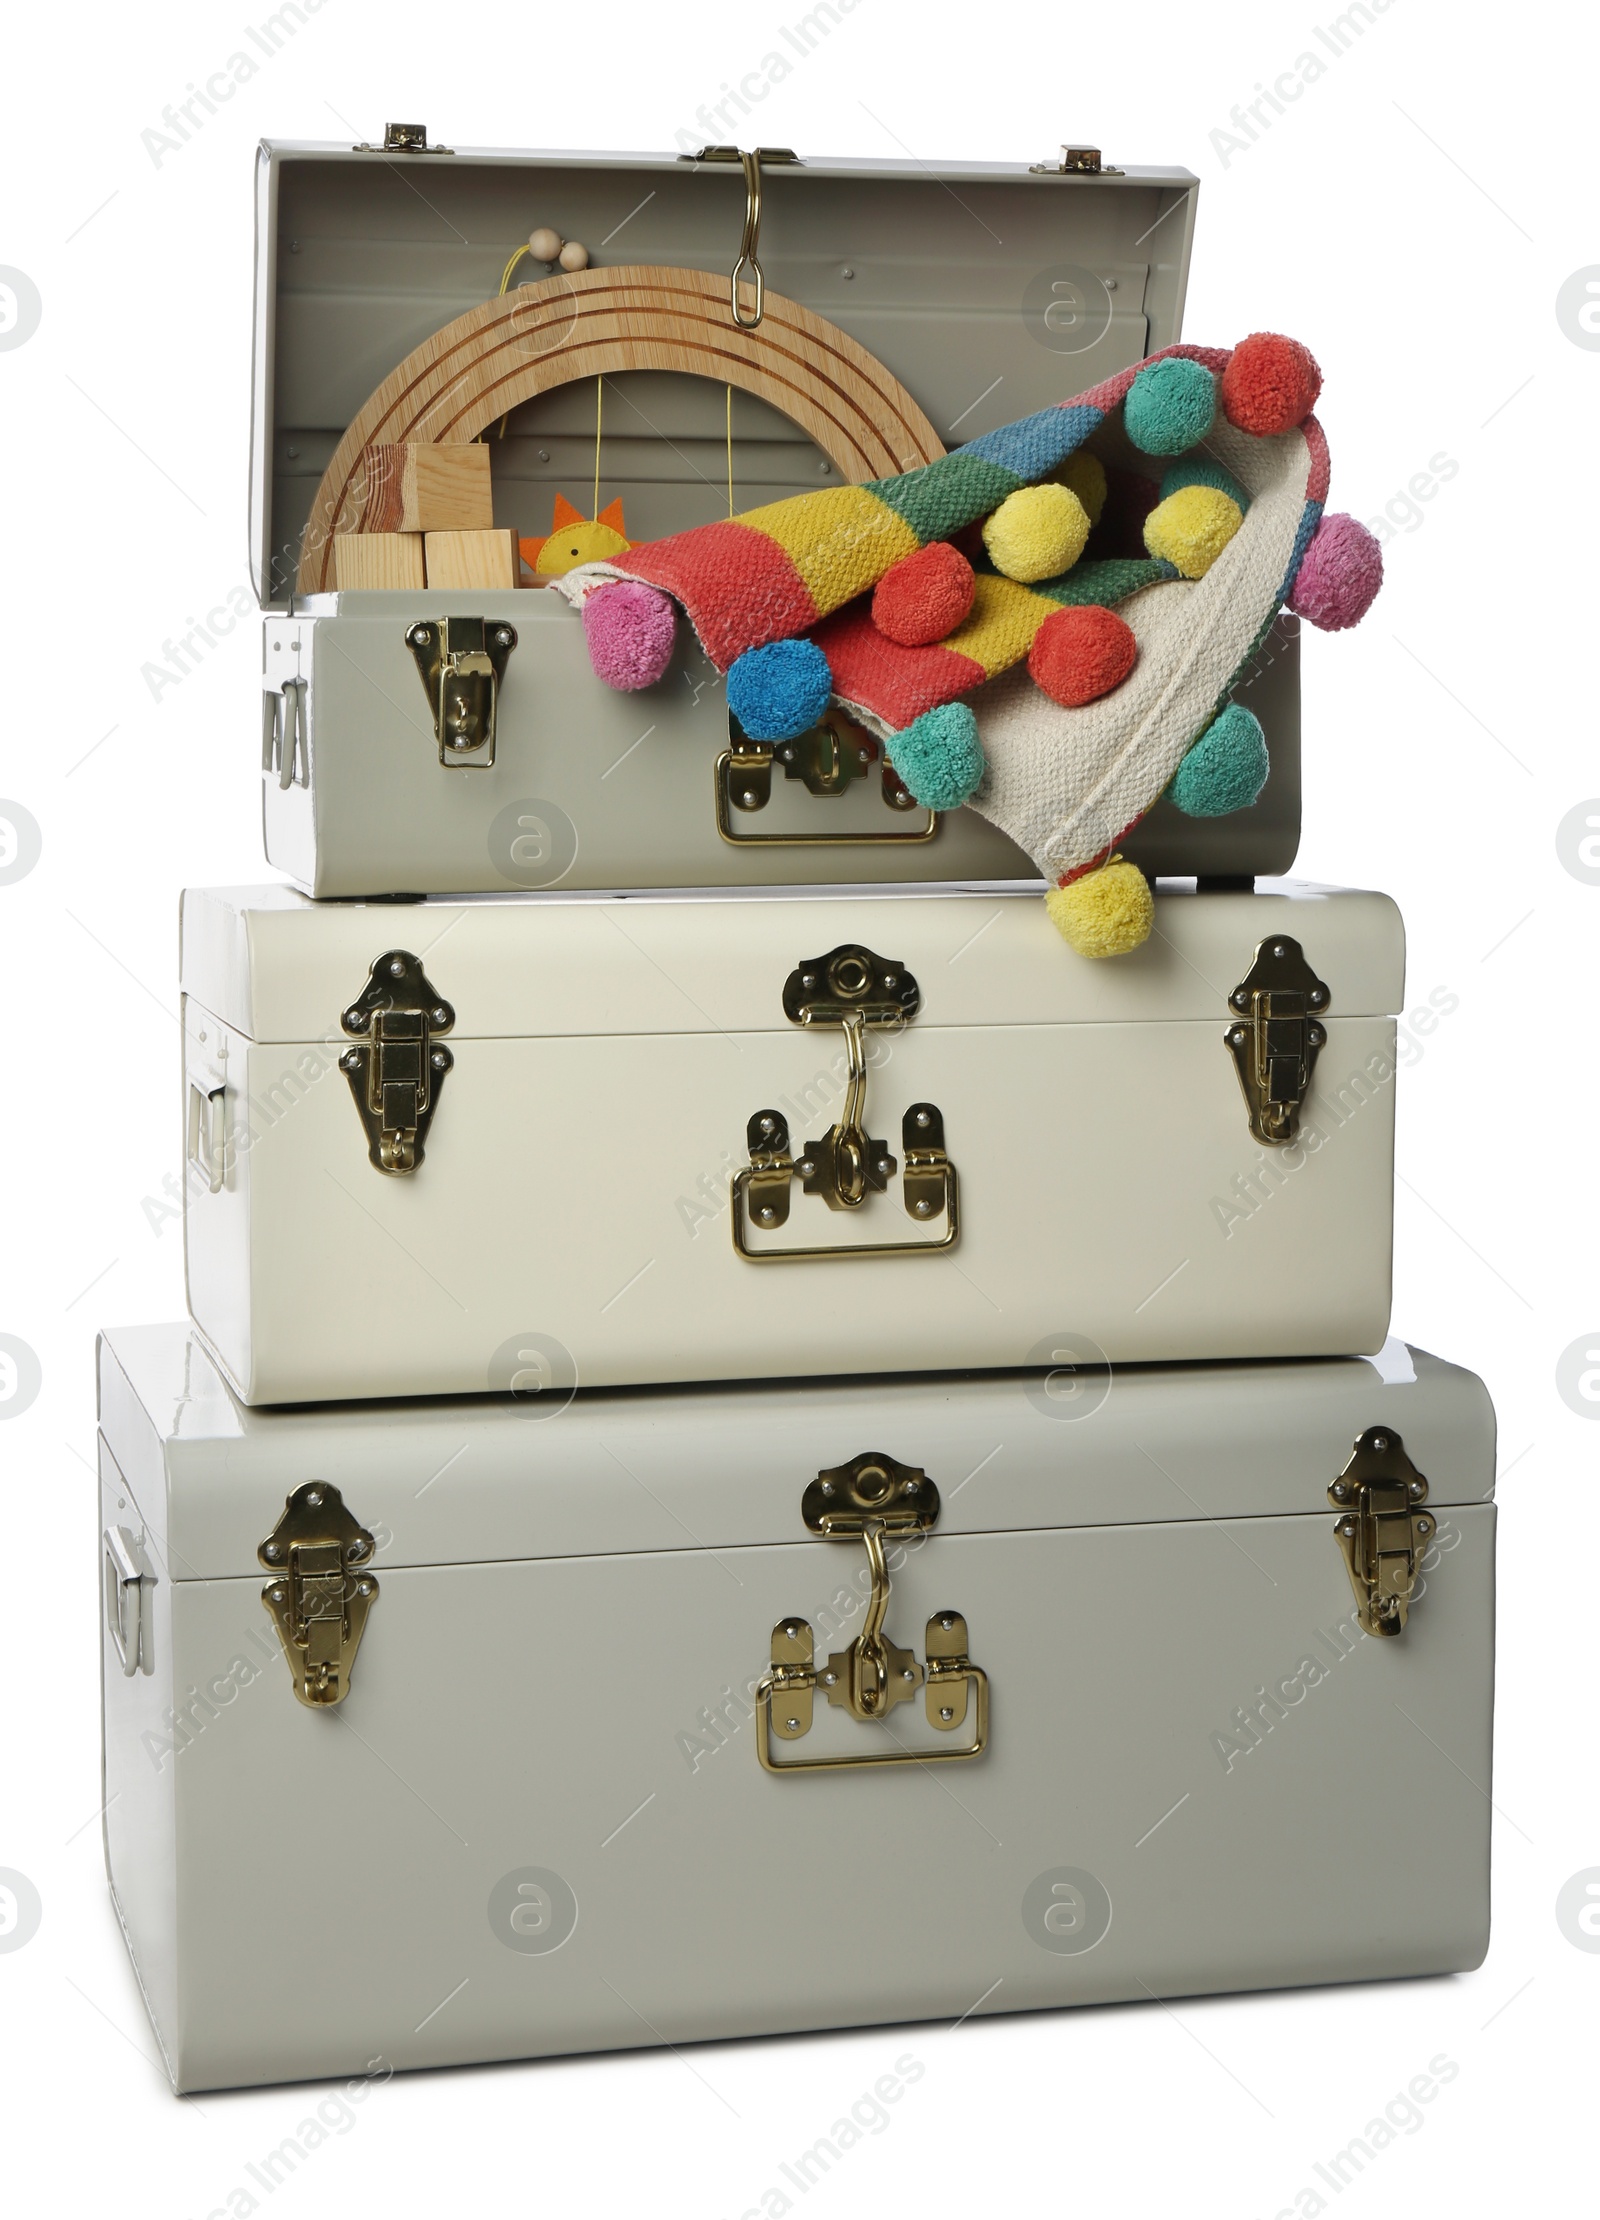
(1000, 629)
(840, 540)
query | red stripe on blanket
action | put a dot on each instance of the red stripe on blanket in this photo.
(737, 584)
(895, 683)
(1315, 439)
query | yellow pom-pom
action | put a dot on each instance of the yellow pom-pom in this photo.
(1191, 528)
(1037, 532)
(1106, 912)
(1085, 475)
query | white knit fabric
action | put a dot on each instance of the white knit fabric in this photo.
(1065, 784)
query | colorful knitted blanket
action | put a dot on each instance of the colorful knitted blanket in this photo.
(1136, 603)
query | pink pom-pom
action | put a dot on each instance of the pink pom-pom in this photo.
(1339, 575)
(629, 629)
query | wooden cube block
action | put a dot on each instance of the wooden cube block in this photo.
(472, 558)
(415, 487)
(378, 560)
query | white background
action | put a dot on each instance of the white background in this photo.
(1412, 215)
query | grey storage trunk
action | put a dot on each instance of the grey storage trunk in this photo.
(537, 1823)
(948, 276)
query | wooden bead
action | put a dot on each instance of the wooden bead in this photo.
(544, 245)
(573, 257)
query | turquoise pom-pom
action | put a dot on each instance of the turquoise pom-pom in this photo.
(779, 691)
(1225, 769)
(1170, 405)
(1195, 470)
(939, 757)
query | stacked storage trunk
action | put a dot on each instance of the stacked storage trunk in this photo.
(545, 1421)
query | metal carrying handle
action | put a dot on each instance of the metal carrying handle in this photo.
(207, 1138)
(284, 745)
(127, 1620)
(827, 760)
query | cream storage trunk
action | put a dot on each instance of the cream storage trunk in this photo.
(463, 1759)
(923, 305)
(437, 1146)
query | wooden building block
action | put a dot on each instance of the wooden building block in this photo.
(458, 559)
(377, 560)
(415, 487)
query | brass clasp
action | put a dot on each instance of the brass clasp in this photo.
(461, 661)
(399, 1065)
(834, 755)
(1383, 1532)
(874, 1499)
(319, 1596)
(853, 989)
(1275, 1049)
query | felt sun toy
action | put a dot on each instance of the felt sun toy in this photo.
(574, 538)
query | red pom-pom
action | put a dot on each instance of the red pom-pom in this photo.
(1130, 497)
(1080, 654)
(924, 595)
(1270, 384)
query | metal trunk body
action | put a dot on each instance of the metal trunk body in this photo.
(433, 1145)
(553, 1834)
(1052, 279)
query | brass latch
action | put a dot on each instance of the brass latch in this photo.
(403, 138)
(285, 740)
(1384, 1531)
(827, 760)
(461, 661)
(853, 989)
(397, 1068)
(1275, 1050)
(873, 1499)
(1076, 161)
(319, 1597)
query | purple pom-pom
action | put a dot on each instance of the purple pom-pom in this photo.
(1339, 575)
(629, 629)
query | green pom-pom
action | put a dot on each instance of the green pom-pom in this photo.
(1225, 769)
(939, 756)
(1170, 405)
(1194, 470)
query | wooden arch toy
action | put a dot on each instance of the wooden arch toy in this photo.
(594, 322)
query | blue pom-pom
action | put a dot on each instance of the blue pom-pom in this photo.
(1196, 471)
(1225, 769)
(780, 691)
(1170, 405)
(939, 757)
